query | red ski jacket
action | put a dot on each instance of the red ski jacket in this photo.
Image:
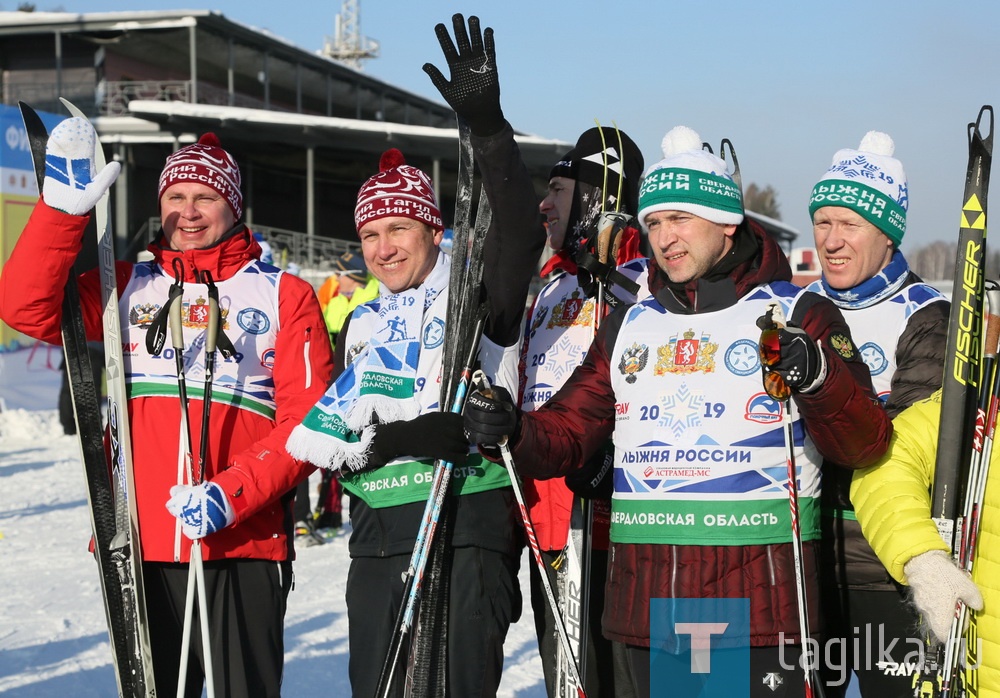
(247, 454)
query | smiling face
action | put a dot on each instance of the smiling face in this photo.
(194, 216)
(687, 246)
(399, 252)
(851, 250)
(556, 207)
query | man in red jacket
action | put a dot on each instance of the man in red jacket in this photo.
(699, 509)
(282, 366)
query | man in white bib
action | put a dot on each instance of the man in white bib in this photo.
(700, 509)
(858, 209)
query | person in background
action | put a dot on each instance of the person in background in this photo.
(356, 286)
(327, 290)
(599, 175)
(266, 255)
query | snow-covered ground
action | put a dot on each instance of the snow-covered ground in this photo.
(53, 638)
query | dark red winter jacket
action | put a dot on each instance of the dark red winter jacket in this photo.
(247, 451)
(843, 417)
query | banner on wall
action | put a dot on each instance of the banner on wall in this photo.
(18, 193)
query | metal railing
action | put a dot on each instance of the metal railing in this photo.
(116, 95)
(111, 98)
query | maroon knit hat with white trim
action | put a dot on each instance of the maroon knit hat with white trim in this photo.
(398, 190)
(205, 162)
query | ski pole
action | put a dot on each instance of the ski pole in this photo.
(428, 526)
(967, 529)
(483, 384)
(777, 389)
(196, 570)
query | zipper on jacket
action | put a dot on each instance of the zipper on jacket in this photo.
(306, 357)
(770, 564)
(673, 571)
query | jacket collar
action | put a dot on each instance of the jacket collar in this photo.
(222, 260)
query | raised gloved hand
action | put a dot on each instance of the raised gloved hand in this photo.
(72, 184)
(490, 418)
(437, 435)
(938, 584)
(202, 509)
(595, 480)
(474, 89)
(800, 361)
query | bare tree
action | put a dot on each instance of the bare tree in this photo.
(762, 200)
(933, 262)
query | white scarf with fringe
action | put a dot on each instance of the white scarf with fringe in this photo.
(379, 385)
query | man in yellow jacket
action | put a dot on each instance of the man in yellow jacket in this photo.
(892, 502)
(357, 286)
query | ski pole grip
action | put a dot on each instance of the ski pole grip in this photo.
(176, 326)
(992, 321)
(212, 333)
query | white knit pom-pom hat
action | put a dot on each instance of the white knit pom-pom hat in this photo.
(690, 179)
(870, 182)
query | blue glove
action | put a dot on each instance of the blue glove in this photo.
(72, 184)
(202, 509)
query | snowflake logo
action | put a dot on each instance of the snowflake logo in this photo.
(564, 356)
(681, 410)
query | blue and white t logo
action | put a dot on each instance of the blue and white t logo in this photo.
(701, 643)
(699, 647)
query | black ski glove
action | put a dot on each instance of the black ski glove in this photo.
(431, 435)
(801, 362)
(595, 480)
(490, 420)
(474, 90)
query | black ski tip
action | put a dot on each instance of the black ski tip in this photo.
(32, 121)
(977, 132)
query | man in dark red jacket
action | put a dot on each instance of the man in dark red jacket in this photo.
(282, 366)
(700, 508)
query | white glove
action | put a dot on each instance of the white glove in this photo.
(202, 509)
(70, 182)
(938, 584)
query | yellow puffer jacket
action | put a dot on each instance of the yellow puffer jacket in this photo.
(892, 501)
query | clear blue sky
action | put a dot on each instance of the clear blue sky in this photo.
(788, 82)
